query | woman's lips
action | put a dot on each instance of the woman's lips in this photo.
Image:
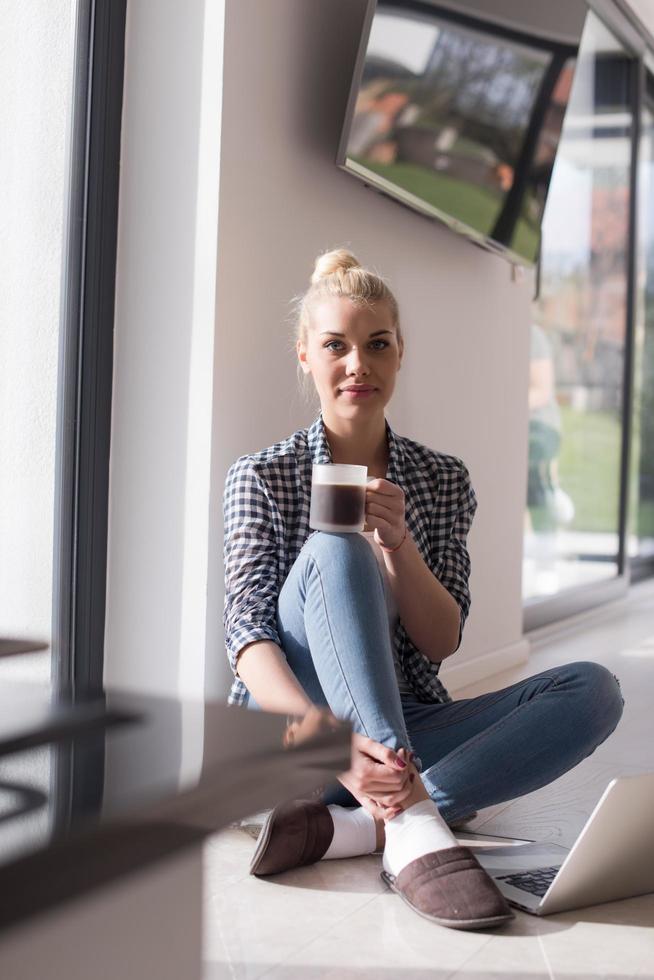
(357, 393)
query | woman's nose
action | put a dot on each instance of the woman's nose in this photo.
(356, 362)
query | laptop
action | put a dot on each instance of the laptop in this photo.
(612, 858)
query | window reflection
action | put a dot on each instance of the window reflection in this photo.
(641, 538)
(578, 333)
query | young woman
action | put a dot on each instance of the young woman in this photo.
(355, 626)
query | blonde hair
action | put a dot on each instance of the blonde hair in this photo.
(339, 273)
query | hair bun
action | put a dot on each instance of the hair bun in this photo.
(338, 260)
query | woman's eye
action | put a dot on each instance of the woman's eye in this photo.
(335, 345)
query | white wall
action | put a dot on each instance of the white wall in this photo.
(163, 348)
(35, 76)
(463, 386)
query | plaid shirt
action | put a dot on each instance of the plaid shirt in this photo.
(266, 514)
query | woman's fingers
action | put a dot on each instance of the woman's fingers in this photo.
(381, 510)
(385, 786)
(394, 799)
(290, 734)
(384, 488)
(384, 780)
(377, 771)
(372, 807)
(380, 812)
(381, 753)
(314, 722)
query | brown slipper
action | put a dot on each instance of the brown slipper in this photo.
(451, 888)
(293, 834)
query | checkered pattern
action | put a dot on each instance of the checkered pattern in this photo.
(266, 514)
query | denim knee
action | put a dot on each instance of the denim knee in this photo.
(351, 552)
(603, 702)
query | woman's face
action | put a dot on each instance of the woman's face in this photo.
(353, 355)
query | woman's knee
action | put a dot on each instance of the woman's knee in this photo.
(602, 695)
(347, 552)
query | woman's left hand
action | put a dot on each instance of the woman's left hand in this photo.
(385, 512)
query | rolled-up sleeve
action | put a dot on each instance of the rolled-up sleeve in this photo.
(453, 562)
(250, 560)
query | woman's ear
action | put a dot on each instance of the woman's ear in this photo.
(302, 356)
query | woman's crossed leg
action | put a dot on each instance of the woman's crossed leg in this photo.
(495, 747)
(473, 753)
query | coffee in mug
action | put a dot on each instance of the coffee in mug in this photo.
(338, 497)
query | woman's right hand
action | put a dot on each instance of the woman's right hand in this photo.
(379, 778)
(376, 777)
(315, 721)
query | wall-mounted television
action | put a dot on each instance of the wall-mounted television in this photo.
(456, 110)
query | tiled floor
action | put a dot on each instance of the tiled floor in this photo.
(337, 920)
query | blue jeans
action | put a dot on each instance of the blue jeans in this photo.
(473, 753)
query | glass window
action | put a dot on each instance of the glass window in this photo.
(641, 510)
(578, 333)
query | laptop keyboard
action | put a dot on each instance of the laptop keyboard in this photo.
(537, 882)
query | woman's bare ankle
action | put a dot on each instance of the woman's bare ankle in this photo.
(418, 792)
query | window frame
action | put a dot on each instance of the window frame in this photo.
(642, 567)
(84, 388)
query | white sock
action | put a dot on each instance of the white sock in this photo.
(418, 830)
(354, 833)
